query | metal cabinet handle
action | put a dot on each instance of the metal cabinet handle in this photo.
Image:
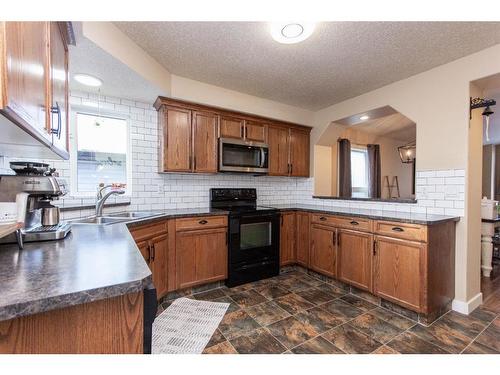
(354, 222)
(149, 253)
(322, 218)
(57, 109)
(153, 252)
(374, 247)
(202, 222)
(398, 229)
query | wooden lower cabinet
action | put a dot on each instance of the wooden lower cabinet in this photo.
(109, 326)
(287, 238)
(323, 252)
(303, 224)
(399, 272)
(354, 254)
(201, 257)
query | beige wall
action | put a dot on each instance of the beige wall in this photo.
(323, 180)
(487, 172)
(438, 102)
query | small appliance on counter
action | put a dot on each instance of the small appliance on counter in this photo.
(39, 186)
(254, 235)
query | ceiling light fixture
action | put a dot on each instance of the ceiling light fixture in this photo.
(291, 32)
(364, 117)
(87, 80)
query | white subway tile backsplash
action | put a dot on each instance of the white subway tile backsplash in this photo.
(437, 191)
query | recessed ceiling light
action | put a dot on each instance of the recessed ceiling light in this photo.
(87, 80)
(364, 117)
(291, 32)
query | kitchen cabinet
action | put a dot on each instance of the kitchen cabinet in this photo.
(232, 127)
(299, 153)
(152, 241)
(34, 80)
(59, 86)
(279, 148)
(189, 134)
(287, 238)
(323, 251)
(176, 140)
(201, 254)
(255, 131)
(302, 242)
(400, 271)
(354, 253)
(204, 142)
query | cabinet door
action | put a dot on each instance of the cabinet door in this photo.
(299, 153)
(287, 238)
(255, 131)
(354, 252)
(205, 142)
(59, 88)
(25, 91)
(231, 127)
(201, 257)
(399, 271)
(176, 140)
(302, 240)
(323, 258)
(279, 147)
(145, 250)
(159, 257)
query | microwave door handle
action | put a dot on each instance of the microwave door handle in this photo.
(262, 156)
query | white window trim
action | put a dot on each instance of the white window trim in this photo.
(74, 155)
(363, 148)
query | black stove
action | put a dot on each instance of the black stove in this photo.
(253, 245)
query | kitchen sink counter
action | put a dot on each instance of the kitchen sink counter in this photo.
(403, 217)
(93, 262)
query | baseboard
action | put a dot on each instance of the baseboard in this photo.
(469, 306)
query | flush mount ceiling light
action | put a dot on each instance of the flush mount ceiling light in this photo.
(364, 117)
(291, 32)
(87, 80)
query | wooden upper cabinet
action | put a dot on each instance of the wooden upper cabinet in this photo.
(299, 153)
(59, 86)
(25, 75)
(205, 142)
(287, 238)
(302, 220)
(354, 255)
(176, 139)
(279, 148)
(323, 252)
(399, 272)
(255, 131)
(232, 127)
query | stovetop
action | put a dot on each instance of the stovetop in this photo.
(237, 200)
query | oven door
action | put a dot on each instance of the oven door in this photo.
(254, 239)
(239, 156)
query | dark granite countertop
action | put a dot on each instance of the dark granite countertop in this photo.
(403, 217)
(383, 200)
(93, 262)
(491, 221)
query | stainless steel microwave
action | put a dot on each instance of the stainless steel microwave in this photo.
(242, 156)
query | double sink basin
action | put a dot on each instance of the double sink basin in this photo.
(118, 217)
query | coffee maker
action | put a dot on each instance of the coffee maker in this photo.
(41, 218)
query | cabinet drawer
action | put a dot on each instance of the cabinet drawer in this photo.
(200, 222)
(343, 222)
(413, 232)
(147, 231)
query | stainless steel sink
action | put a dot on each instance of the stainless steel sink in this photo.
(133, 215)
(102, 220)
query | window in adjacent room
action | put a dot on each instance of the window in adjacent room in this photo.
(100, 152)
(359, 171)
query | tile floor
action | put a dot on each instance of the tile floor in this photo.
(296, 313)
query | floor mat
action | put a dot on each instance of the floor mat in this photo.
(186, 326)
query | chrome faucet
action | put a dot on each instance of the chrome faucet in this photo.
(100, 198)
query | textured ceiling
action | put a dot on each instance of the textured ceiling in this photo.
(339, 61)
(118, 79)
